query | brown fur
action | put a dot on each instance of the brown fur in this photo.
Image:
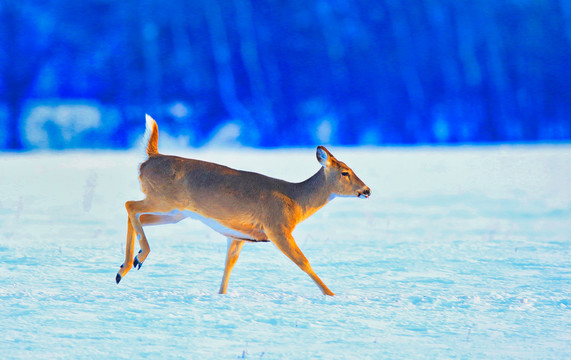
(259, 207)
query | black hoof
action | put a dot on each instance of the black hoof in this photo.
(136, 264)
(118, 278)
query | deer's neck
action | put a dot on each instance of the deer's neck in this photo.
(312, 194)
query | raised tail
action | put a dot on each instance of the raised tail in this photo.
(153, 137)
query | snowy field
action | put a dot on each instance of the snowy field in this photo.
(460, 253)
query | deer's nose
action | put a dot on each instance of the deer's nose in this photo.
(367, 192)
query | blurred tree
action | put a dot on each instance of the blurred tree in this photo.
(27, 38)
(357, 71)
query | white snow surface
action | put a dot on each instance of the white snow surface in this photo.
(460, 252)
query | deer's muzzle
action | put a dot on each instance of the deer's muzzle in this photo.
(364, 194)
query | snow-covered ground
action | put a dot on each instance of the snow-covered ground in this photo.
(460, 253)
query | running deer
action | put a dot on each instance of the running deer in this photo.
(243, 206)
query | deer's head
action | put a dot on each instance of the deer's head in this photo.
(342, 180)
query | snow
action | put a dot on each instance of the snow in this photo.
(459, 253)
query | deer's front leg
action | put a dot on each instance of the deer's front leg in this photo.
(286, 243)
(234, 248)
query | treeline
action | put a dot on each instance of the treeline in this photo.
(297, 72)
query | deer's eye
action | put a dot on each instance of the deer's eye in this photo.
(345, 173)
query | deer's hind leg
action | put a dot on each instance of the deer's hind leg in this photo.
(141, 213)
(148, 220)
(130, 245)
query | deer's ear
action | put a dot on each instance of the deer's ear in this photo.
(323, 156)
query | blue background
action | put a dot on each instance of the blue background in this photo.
(82, 74)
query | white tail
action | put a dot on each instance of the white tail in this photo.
(153, 130)
(243, 206)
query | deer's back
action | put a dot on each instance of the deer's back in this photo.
(213, 190)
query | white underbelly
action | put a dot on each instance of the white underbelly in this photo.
(211, 223)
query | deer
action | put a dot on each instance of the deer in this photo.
(243, 206)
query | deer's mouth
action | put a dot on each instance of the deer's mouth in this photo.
(364, 194)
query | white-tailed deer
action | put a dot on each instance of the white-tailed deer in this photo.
(243, 206)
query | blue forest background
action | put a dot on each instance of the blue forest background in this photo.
(275, 73)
